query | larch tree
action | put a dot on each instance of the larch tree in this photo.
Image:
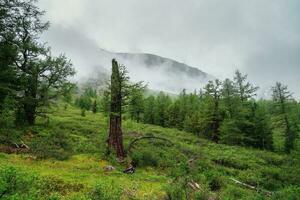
(95, 106)
(282, 98)
(136, 103)
(149, 110)
(244, 89)
(213, 91)
(40, 76)
(8, 54)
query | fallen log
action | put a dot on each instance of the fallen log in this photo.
(194, 185)
(265, 192)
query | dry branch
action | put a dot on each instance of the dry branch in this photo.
(265, 192)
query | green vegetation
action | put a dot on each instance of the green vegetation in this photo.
(72, 167)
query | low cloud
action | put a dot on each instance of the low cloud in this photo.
(261, 38)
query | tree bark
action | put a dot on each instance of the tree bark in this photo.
(115, 140)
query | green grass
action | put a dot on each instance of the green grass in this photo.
(75, 176)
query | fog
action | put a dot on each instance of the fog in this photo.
(260, 38)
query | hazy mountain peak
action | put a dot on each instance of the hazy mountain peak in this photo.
(158, 72)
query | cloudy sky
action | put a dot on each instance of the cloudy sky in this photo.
(259, 37)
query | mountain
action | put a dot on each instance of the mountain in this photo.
(157, 72)
(93, 64)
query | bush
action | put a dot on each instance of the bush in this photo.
(175, 192)
(216, 183)
(53, 145)
(145, 158)
(82, 112)
(272, 178)
(290, 193)
(52, 185)
(15, 184)
(106, 191)
(203, 195)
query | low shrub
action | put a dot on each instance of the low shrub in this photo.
(290, 193)
(175, 192)
(52, 145)
(15, 184)
(108, 190)
(202, 195)
(145, 158)
(216, 183)
(53, 185)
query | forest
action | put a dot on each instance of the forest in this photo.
(63, 140)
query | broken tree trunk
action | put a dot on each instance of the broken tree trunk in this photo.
(115, 140)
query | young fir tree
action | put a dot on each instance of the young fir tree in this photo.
(229, 98)
(261, 136)
(105, 103)
(282, 104)
(161, 109)
(136, 103)
(149, 110)
(175, 118)
(95, 106)
(84, 102)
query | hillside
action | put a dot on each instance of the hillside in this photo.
(71, 166)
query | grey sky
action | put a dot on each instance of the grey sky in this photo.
(259, 37)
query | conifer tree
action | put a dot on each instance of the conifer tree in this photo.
(244, 89)
(105, 102)
(282, 98)
(95, 106)
(40, 77)
(161, 109)
(149, 111)
(261, 136)
(136, 103)
(213, 113)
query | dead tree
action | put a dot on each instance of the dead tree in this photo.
(115, 140)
